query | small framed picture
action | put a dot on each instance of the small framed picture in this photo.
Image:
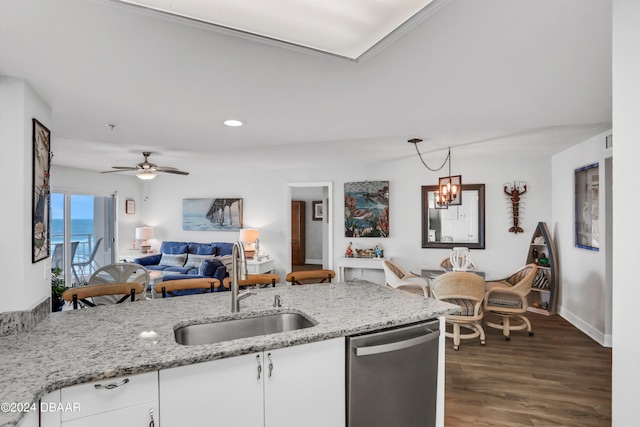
(318, 212)
(130, 207)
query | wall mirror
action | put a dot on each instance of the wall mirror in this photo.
(456, 225)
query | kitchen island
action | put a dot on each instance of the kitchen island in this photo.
(86, 345)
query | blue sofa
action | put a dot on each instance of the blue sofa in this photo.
(190, 258)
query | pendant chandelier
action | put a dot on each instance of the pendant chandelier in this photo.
(449, 187)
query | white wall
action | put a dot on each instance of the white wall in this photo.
(585, 294)
(265, 204)
(24, 285)
(626, 233)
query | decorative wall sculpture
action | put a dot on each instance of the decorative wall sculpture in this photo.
(40, 190)
(366, 209)
(212, 214)
(514, 192)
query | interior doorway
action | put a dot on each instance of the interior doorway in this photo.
(309, 226)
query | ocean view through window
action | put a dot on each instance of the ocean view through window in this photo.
(81, 225)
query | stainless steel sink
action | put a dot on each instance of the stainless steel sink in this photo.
(227, 330)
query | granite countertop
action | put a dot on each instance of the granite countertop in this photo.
(79, 346)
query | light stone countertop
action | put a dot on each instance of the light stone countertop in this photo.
(86, 345)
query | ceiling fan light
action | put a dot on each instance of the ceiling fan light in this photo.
(146, 174)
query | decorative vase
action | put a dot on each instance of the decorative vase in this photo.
(460, 259)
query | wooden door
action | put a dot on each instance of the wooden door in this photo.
(297, 232)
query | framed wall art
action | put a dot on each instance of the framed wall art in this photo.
(587, 197)
(40, 192)
(212, 214)
(130, 207)
(366, 209)
(318, 212)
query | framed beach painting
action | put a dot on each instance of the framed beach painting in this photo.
(366, 209)
(40, 192)
(212, 214)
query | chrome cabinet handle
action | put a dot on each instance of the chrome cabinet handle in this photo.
(259, 366)
(111, 385)
(270, 364)
(152, 423)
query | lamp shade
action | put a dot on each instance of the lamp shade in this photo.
(144, 233)
(248, 235)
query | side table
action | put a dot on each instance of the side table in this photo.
(260, 267)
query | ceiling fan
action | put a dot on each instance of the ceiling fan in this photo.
(147, 170)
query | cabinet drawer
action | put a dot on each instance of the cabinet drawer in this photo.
(89, 400)
(138, 415)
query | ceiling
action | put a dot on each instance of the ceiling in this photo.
(496, 77)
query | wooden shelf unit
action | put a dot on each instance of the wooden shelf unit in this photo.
(543, 296)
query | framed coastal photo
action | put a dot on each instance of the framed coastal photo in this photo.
(212, 214)
(130, 207)
(587, 198)
(40, 192)
(318, 210)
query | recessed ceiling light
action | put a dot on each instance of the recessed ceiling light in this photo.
(233, 123)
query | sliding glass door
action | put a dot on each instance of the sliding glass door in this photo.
(82, 235)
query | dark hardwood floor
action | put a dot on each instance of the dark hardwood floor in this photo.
(558, 377)
(304, 267)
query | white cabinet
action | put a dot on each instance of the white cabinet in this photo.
(293, 386)
(131, 400)
(306, 386)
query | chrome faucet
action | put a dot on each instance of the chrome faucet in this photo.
(239, 272)
(276, 301)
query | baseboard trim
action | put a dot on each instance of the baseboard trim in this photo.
(588, 329)
(313, 261)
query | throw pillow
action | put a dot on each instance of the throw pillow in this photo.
(194, 260)
(173, 260)
(208, 267)
(226, 260)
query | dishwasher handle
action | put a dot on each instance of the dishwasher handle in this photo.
(395, 346)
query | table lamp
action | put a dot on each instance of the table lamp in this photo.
(144, 234)
(248, 237)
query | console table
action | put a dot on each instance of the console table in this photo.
(364, 263)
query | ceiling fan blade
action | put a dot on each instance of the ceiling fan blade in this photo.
(117, 170)
(125, 168)
(165, 168)
(177, 172)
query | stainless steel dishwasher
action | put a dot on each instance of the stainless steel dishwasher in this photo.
(392, 377)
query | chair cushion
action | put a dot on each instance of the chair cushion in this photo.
(466, 306)
(173, 247)
(223, 248)
(504, 299)
(201, 248)
(173, 260)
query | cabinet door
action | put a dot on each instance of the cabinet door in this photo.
(225, 392)
(306, 386)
